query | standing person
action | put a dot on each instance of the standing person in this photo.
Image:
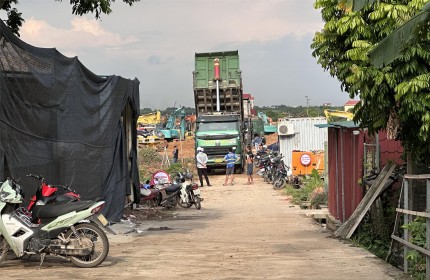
(263, 140)
(249, 164)
(201, 160)
(257, 142)
(230, 158)
(175, 154)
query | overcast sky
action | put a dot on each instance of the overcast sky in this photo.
(155, 41)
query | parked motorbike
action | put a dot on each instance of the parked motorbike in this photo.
(149, 194)
(72, 231)
(281, 177)
(262, 162)
(270, 165)
(48, 194)
(167, 195)
(261, 154)
(190, 192)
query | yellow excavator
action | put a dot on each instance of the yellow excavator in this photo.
(335, 115)
(150, 118)
(146, 133)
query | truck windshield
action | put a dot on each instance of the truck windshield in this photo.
(218, 126)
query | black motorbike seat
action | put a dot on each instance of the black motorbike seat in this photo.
(56, 210)
(173, 188)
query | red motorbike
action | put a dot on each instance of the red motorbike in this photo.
(48, 194)
(160, 191)
(148, 193)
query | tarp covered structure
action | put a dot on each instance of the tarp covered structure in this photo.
(60, 120)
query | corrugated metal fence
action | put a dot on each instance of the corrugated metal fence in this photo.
(302, 135)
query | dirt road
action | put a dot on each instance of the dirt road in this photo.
(242, 232)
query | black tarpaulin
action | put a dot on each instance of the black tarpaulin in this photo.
(61, 121)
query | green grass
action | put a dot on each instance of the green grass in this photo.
(309, 185)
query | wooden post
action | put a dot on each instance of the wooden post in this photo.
(348, 227)
(405, 222)
(427, 228)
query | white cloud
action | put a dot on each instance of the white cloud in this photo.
(163, 27)
(84, 33)
(206, 23)
(155, 41)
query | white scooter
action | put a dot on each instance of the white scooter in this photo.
(72, 231)
(190, 192)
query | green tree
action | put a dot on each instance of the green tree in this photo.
(79, 7)
(274, 115)
(394, 97)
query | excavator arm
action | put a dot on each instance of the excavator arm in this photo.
(331, 114)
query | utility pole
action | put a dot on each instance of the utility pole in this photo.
(307, 105)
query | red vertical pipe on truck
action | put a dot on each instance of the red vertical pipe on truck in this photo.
(217, 79)
(216, 70)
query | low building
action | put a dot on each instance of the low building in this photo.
(350, 104)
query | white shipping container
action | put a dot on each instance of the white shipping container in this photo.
(300, 134)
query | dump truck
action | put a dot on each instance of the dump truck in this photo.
(218, 96)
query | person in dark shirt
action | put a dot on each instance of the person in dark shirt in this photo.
(249, 164)
(175, 154)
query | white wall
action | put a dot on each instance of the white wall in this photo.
(306, 137)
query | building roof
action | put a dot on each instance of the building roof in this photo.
(344, 124)
(248, 96)
(351, 102)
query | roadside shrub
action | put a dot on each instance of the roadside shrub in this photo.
(174, 168)
(149, 156)
(374, 231)
(150, 161)
(310, 184)
(318, 197)
(416, 260)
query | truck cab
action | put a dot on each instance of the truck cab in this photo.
(216, 134)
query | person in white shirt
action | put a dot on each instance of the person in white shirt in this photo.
(201, 160)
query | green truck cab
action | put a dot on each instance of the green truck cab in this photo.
(218, 96)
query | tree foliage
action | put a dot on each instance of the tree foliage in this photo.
(395, 95)
(79, 7)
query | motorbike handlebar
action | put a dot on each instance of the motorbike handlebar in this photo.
(66, 187)
(38, 177)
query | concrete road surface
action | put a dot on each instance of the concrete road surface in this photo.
(242, 232)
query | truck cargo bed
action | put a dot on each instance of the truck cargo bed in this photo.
(230, 101)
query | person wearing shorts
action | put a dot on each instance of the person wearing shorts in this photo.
(249, 165)
(230, 159)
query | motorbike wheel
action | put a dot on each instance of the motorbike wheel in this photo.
(157, 200)
(183, 203)
(280, 183)
(4, 248)
(100, 245)
(171, 202)
(197, 202)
